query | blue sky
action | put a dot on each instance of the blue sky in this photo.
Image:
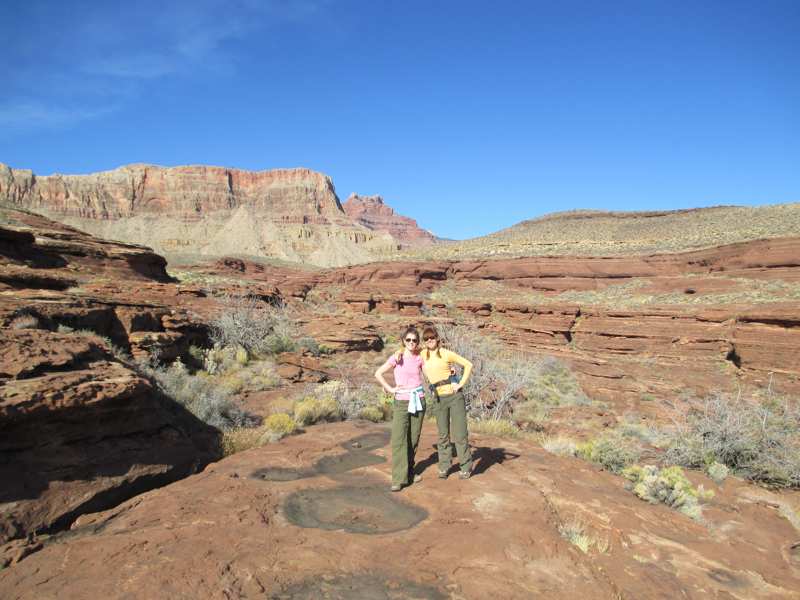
(468, 116)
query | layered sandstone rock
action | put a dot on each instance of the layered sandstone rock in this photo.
(81, 432)
(373, 214)
(292, 214)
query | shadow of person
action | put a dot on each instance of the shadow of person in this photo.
(421, 465)
(483, 458)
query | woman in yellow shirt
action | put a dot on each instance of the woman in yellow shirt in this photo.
(448, 402)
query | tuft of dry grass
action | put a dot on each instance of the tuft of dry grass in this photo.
(275, 427)
(575, 532)
(502, 428)
(25, 322)
(560, 445)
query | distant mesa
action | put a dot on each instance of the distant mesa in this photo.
(374, 214)
(204, 211)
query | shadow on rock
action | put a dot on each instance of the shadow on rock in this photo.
(484, 457)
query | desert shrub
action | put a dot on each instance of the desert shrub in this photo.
(372, 413)
(275, 427)
(197, 353)
(236, 371)
(757, 440)
(354, 401)
(312, 410)
(667, 486)
(507, 385)
(554, 384)
(200, 395)
(281, 424)
(254, 325)
(502, 428)
(560, 445)
(717, 472)
(611, 451)
(25, 322)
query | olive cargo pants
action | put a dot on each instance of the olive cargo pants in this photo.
(405, 438)
(452, 409)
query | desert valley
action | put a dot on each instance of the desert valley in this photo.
(188, 408)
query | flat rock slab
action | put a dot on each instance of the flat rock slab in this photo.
(224, 534)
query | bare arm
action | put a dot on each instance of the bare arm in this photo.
(467, 370)
(379, 375)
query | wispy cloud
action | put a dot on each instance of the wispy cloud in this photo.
(111, 55)
(23, 116)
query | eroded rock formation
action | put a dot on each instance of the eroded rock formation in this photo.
(374, 214)
(292, 214)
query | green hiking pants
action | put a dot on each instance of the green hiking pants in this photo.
(451, 410)
(405, 438)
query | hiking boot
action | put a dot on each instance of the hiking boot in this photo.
(396, 488)
(442, 474)
(417, 478)
(465, 474)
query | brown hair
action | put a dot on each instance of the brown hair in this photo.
(430, 331)
(413, 330)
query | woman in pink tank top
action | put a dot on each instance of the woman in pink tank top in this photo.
(409, 407)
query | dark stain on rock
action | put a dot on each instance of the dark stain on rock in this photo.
(357, 455)
(365, 587)
(368, 441)
(333, 465)
(726, 578)
(281, 474)
(366, 510)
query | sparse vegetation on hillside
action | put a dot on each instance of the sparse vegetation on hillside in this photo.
(595, 233)
(632, 293)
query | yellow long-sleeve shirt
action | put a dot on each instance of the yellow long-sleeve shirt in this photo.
(437, 368)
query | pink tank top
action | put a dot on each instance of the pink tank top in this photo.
(407, 373)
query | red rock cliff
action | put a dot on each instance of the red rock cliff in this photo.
(374, 214)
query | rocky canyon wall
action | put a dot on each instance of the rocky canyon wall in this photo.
(290, 214)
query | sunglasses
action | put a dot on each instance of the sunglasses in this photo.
(412, 340)
(428, 339)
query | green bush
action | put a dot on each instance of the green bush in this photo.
(717, 472)
(757, 439)
(200, 395)
(281, 424)
(312, 410)
(611, 451)
(667, 486)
